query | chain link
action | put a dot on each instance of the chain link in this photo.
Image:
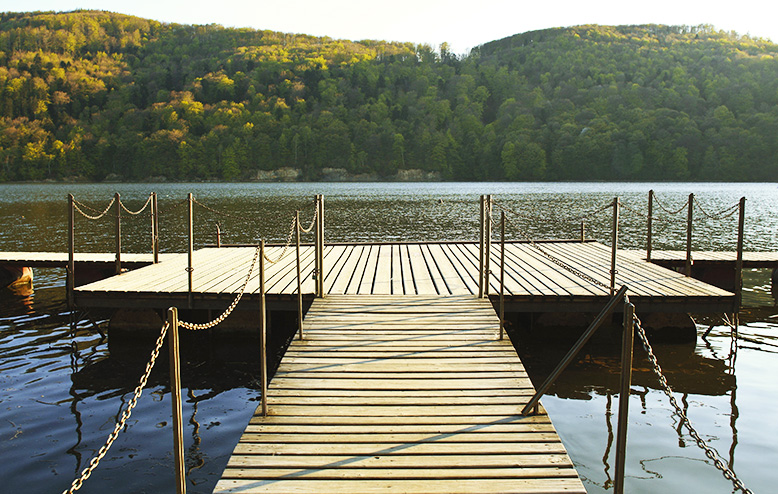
(77, 483)
(175, 206)
(710, 452)
(224, 315)
(572, 270)
(78, 205)
(135, 213)
(639, 213)
(658, 203)
(721, 215)
(313, 221)
(286, 246)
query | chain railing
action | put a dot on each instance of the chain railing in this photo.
(710, 452)
(120, 424)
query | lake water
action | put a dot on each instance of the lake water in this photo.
(61, 390)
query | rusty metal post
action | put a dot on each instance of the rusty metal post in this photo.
(481, 249)
(321, 245)
(688, 268)
(155, 227)
(626, 384)
(488, 253)
(502, 274)
(649, 224)
(118, 206)
(614, 243)
(218, 235)
(175, 400)
(262, 328)
(190, 251)
(299, 276)
(739, 260)
(71, 280)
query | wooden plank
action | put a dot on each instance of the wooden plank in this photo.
(345, 416)
(412, 486)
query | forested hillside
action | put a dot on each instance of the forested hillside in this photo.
(95, 95)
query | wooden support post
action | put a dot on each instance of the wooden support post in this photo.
(118, 206)
(649, 224)
(262, 328)
(321, 245)
(481, 249)
(739, 260)
(71, 280)
(502, 274)
(614, 243)
(626, 384)
(175, 399)
(190, 250)
(488, 251)
(299, 276)
(688, 269)
(155, 227)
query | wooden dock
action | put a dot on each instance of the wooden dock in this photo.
(533, 282)
(82, 259)
(400, 394)
(677, 258)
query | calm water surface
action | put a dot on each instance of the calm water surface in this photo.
(61, 390)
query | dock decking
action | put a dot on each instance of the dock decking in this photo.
(532, 280)
(60, 259)
(400, 394)
(677, 258)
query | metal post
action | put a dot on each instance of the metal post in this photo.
(626, 384)
(218, 235)
(316, 266)
(321, 245)
(118, 206)
(688, 269)
(155, 227)
(299, 277)
(601, 317)
(175, 399)
(583, 230)
(614, 243)
(190, 249)
(502, 274)
(481, 250)
(262, 327)
(650, 224)
(739, 261)
(71, 280)
(488, 252)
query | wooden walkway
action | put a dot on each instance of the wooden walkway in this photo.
(400, 394)
(532, 280)
(677, 258)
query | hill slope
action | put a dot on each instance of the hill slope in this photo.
(90, 94)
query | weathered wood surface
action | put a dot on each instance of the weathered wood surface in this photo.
(407, 269)
(400, 394)
(678, 257)
(60, 259)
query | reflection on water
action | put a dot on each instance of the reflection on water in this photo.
(62, 390)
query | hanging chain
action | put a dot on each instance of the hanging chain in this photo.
(286, 246)
(658, 203)
(224, 315)
(313, 221)
(710, 452)
(174, 206)
(125, 415)
(572, 270)
(721, 215)
(640, 213)
(135, 213)
(78, 205)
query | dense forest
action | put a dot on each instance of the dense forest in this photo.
(100, 96)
